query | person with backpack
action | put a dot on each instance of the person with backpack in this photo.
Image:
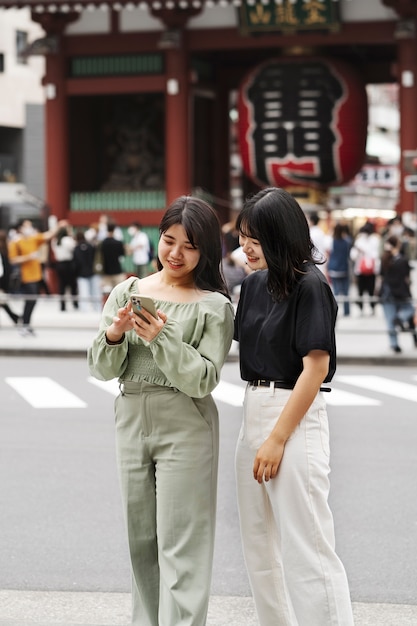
(365, 256)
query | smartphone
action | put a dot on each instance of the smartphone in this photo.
(143, 302)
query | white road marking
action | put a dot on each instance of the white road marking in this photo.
(111, 386)
(339, 397)
(234, 394)
(391, 387)
(229, 393)
(224, 392)
(42, 392)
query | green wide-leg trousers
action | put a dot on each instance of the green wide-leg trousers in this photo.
(167, 451)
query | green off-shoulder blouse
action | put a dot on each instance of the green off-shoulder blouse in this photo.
(188, 353)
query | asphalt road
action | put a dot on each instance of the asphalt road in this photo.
(61, 526)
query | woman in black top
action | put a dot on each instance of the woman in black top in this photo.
(285, 326)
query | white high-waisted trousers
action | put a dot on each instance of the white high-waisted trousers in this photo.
(287, 527)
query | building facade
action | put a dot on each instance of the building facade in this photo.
(140, 96)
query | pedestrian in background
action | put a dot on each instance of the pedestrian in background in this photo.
(140, 249)
(285, 325)
(396, 297)
(365, 254)
(104, 221)
(338, 265)
(112, 252)
(62, 246)
(234, 265)
(5, 271)
(321, 242)
(44, 261)
(88, 282)
(166, 419)
(24, 251)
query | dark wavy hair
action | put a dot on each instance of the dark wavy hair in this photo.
(203, 230)
(275, 219)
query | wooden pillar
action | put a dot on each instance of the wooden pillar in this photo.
(56, 111)
(56, 140)
(177, 99)
(177, 124)
(407, 80)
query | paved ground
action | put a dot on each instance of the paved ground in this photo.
(359, 339)
(18, 608)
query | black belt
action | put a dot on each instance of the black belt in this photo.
(278, 384)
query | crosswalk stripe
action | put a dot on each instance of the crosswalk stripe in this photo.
(229, 393)
(391, 387)
(111, 386)
(224, 392)
(339, 397)
(42, 392)
(234, 394)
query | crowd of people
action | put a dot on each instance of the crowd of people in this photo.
(87, 264)
(377, 264)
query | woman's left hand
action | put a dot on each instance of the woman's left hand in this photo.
(267, 460)
(150, 329)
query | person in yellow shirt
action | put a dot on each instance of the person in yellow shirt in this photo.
(25, 252)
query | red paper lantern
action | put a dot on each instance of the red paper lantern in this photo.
(302, 121)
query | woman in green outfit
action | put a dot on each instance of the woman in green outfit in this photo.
(166, 419)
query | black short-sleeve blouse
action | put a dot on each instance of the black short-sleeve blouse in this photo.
(275, 336)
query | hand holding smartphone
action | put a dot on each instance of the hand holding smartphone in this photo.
(140, 302)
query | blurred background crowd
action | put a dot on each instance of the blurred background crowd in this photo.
(81, 266)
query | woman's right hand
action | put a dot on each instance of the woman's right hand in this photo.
(122, 322)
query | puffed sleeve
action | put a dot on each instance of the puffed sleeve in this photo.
(194, 367)
(106, 361)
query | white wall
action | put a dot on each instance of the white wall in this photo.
(365, 10)
(95, 21)
(19, 84)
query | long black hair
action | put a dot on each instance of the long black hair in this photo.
(275, 219)
(203, 230)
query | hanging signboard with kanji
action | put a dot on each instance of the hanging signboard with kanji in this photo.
(288, 15)
(302, 121)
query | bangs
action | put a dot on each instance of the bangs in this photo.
(180, 218)
(247, 228)
(191, 228)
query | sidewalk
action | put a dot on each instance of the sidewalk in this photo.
(359, 339)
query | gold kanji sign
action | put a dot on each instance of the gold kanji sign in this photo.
(288, 15)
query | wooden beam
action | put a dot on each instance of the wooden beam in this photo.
(351, 33)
